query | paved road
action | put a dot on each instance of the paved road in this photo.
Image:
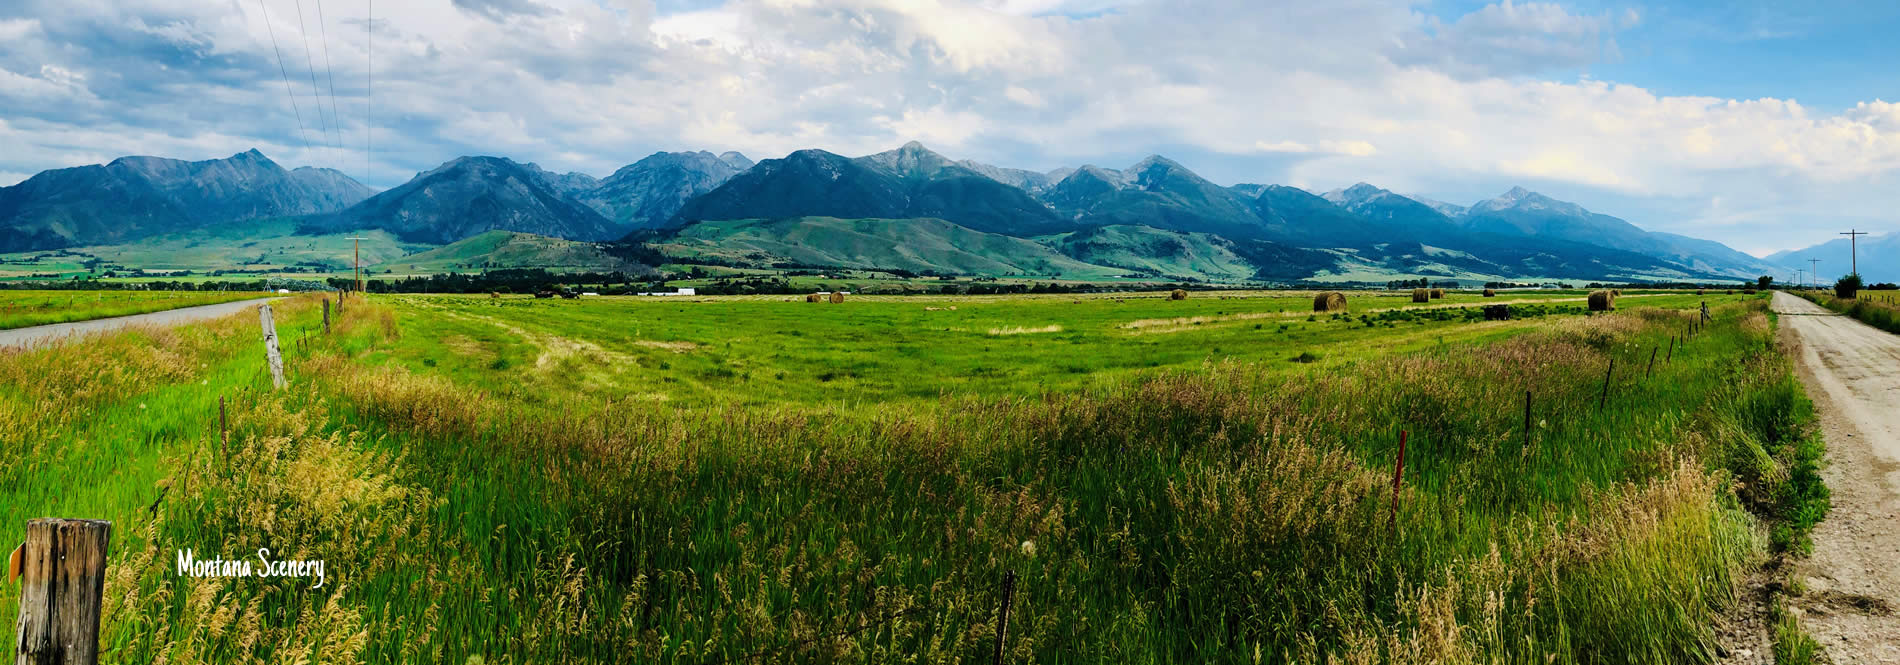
(1852, 372)
(36, 336)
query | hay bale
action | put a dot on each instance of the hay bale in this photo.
(1330, 301)
(1490, 293)
(1177, 294)
(494, 296)
(1602, 301)
(1701, 292)
(1729, 292)
(1421, 295)
(1438, 293)
(1748, 292)
(812, 297)
(1616, 292)
(837, 297)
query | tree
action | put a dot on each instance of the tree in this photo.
(1848, 286)
(1763, 281)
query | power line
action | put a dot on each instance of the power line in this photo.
(369, 97)
(315, 91)
(286, 72)
(324, 31)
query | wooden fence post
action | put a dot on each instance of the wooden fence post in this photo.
(1398, 477)
(271, 355)
(1672, 351)
(63, 580)
(326, 316)
(1606, 385)
(1002, 616)
(1652, 363)
(1527, 418)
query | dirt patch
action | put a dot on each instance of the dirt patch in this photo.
(1025, 331)
(676, 347)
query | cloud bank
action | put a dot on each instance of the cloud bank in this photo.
(1311, 94)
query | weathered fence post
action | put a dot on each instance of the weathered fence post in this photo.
(1527, 418)
(1002, 616)
(1652, 362)
(1605, 400)
(271, 356)
(1398, 476)
(63, 576)
(1671, 357)
(326, 316)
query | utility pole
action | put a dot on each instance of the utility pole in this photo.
(1853, 240)
(1815, 274)
(357, 243)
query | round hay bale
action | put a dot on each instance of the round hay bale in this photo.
(1490, 293)
(1330, 301)
(1729, 292)
(1616, 292)
(1602, 301)
(1701, 292)
(1748, 292)
(1438, 293)
(1421, 295)
(494, 296)
(811, 297)
(837, 297)
(1177, 294)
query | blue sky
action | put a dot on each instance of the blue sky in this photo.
(1760, 124)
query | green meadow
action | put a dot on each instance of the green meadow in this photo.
(718, 480)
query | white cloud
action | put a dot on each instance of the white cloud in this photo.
(1310, 94)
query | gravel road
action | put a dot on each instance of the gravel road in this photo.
(36, 336)
(1852, 372)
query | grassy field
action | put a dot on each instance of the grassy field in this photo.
(19, 309)
(260, 246)
(753, 480)
(1875, 308)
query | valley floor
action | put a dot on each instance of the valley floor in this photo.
(756, 480)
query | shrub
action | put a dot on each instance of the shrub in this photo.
(1847, 287)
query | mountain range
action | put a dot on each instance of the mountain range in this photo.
(1877, 256)
(138, 197)
(913, 209)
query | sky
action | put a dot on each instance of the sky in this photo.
(1763, 125)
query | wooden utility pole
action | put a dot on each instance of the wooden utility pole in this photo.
(1814, 271)
(357, 243)
(271, 355)
(1853, 248)
(63, 576)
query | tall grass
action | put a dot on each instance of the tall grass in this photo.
(1870, 308)
(1217, 513)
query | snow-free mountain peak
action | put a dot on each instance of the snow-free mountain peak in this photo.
(912, 160)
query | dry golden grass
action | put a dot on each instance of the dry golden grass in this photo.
(1019, 330)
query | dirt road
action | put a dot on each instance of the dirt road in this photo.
(1852, 371)
(27, 338)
